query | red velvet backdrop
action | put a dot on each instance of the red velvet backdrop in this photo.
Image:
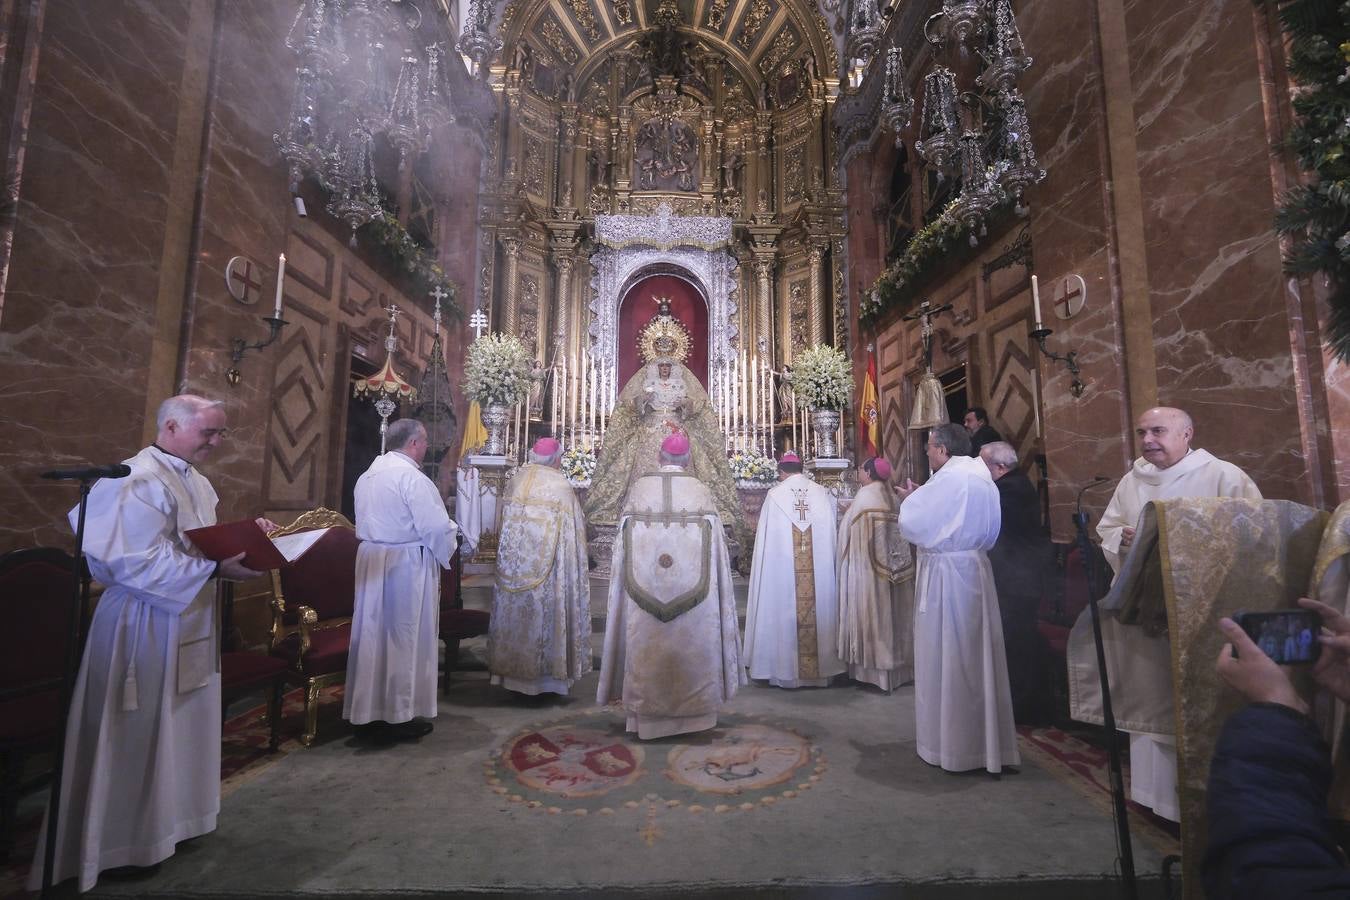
(639, 307)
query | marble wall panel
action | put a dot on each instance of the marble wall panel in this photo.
(78, 313)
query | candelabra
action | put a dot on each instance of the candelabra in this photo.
(238, 346)
(1070, 359)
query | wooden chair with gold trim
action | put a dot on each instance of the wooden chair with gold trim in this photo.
(312, 605)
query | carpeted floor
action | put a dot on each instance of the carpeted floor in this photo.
(796, 793)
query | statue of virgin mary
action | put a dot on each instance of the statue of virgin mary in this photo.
(661, 398)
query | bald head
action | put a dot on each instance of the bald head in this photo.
(1164, 434)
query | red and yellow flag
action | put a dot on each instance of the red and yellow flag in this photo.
(869, 415)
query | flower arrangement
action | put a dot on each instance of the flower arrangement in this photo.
(755, 470)
(497, 371)
(387, 233)
(578, 464)
(821, 378)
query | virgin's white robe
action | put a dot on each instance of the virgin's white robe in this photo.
(962, 704)
(539, 639)
(142, 752)
(406, 539)
(792, 616)
(876, 591)
(1141, 665)
(672, 649)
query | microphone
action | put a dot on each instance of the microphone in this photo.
(92, 473)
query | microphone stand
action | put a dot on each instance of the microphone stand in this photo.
(1080, 521)
(78, 604)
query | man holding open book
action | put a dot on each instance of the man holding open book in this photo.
(147, 698)
(406, 539)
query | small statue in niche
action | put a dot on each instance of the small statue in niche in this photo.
(521, 59)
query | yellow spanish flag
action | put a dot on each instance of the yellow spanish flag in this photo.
(475, 435)
(869, 413)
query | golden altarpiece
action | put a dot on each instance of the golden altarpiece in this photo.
(679, 139)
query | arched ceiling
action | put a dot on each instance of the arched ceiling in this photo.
(754, 37)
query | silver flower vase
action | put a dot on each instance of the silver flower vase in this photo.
(826, 422)
(495, 417)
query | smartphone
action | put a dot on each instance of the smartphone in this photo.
(1289, 636)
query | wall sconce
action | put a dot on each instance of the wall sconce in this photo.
(238, 346)
(1040, 333)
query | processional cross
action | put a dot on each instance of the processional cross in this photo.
(926, 313)
(478, 322)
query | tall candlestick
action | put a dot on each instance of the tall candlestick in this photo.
(281, 279)
(1036, 301)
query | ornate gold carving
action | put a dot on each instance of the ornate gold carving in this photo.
(794, 184)
(717, 13)
(799, 314)
(322, 517)
(534, 166)
(623, 12)
(783, 45)
(754, 21)
(585, 17)
(664, 336)
(528, 312)
(552, 35)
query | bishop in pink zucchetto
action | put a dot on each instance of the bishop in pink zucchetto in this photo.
(882, 468)
(546, 446)
(675, 445)
(789, 457)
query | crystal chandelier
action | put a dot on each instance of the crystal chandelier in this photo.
(1006, 58)
(897, 103)
(940, 129)
(478, 42)
(360, 75)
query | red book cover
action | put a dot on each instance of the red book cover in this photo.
(219, 542)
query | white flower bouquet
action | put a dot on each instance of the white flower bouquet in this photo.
(822, 378)
(578, 464)
(753, 470)
(497, 371)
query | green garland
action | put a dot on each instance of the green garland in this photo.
(1315, 218)
(897, 287)
(387, 233)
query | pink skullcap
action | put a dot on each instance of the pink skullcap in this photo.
(676, 445)
(789, 457)
(882, 468)
(546, 446)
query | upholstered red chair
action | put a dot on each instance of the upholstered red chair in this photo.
(313, 600)
(36, 604)
(457, 623)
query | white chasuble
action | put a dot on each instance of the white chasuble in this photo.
(406, 539)
(672, 649)
(142, 752)
(876, 591)
(1140, 664)
(792, 614)
(540, 630)
(962, 704)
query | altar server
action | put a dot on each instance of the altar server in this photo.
(672, 650)
(962, 705)
(540, 636)
(792, 615)
(406, 539)
(876, 585)
(142, 752)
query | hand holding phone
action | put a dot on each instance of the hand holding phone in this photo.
(1289, 637)
(1252, 673)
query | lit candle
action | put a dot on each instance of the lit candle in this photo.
(1036, 301)
(281, 278)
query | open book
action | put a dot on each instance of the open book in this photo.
(261, 553)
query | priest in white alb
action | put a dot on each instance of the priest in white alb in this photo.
(142, 752)
(1141, 663)
(962, 704)
(539, 640)
(792, 613)
(876, 584)
(407, 538)
(672, 649)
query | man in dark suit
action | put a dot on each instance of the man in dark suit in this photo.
(1021, 560)
(981, 432)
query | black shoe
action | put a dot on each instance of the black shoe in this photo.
(375, 732)
(411, 731)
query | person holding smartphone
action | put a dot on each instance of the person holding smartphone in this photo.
(1271, 773)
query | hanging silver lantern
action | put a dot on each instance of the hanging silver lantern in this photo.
(940, 131)
(1020, 167)
(897, 105)
(1007, 56)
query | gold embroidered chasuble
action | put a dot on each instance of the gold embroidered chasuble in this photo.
(539, 637)
(876, 591)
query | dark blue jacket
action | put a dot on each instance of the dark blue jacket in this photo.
(1268, 833)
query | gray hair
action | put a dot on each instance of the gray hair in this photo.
(545, 459)
(953, 437)
(670, 459)
(183, 409)
(401, 432)
(1000, 453)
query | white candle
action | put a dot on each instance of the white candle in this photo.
(281, 278)
(1036, 301)
(754, 403)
